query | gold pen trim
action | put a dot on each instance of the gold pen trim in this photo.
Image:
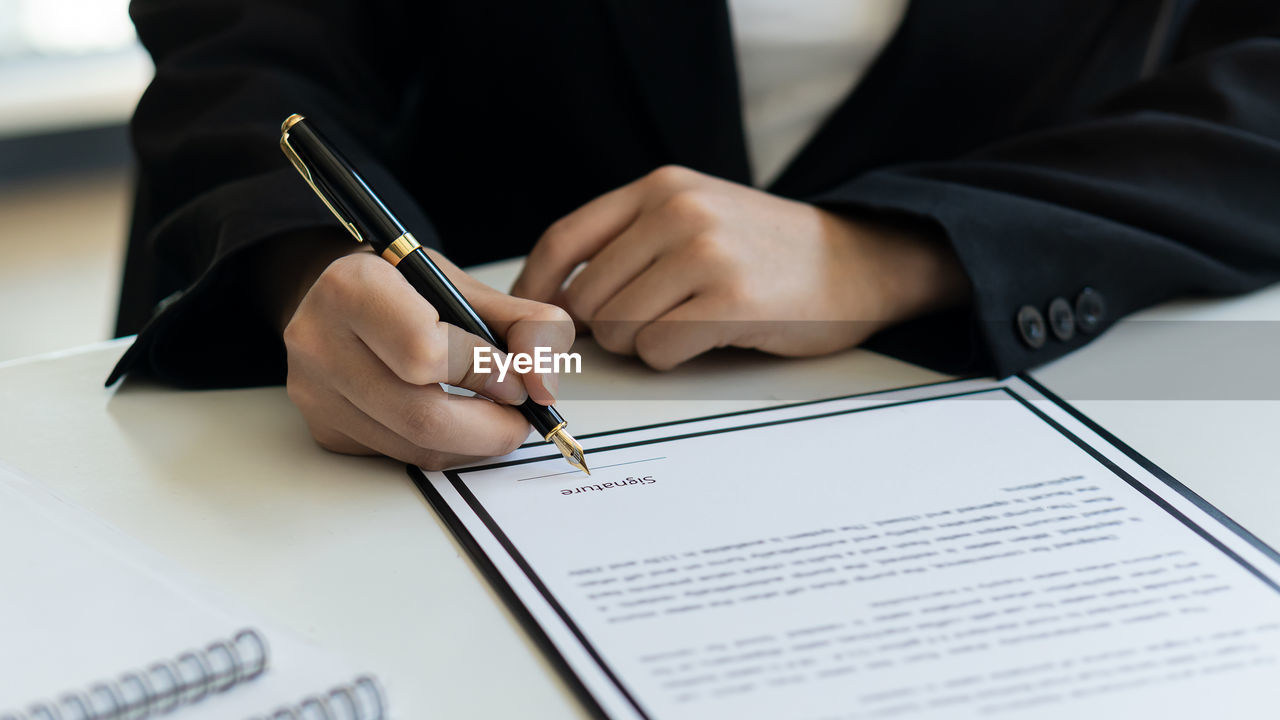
(400, 248)
(555, 430)
(305, 172)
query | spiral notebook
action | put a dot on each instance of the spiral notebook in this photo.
(96, 625)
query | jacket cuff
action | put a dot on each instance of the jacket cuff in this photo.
(1042, 276)
(212, 334)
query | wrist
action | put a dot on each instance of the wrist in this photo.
(906, 269)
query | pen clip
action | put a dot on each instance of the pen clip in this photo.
(305, 172)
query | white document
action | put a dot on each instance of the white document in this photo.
(82, 604)
(963, 550)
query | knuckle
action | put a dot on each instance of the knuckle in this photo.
(432, 460)
(554, 245)
(552, 314)
(613, 335)
(513, 441)
(300, 333)
(427, 359)
(690, 206)
(576, 303)
(556, 230)
(606, 336)
(737, 294)
(295, 337)
(339, 281)
(304, 344)
(427, 422)
(299, 393)
(669, 175)
(470, 378)
(327, 438)
(708, 247)
(650, 353)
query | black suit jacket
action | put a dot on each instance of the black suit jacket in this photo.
(1127, 147)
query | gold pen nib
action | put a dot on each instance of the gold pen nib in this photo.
(570, 448)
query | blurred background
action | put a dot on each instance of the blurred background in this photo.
(71, 72)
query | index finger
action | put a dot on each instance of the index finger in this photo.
(405, 333)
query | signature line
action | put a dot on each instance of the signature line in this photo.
(600, 467)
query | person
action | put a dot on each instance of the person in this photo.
(978, 187)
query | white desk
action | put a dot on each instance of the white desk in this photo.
(345, 552)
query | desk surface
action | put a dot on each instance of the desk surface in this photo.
(346, 553)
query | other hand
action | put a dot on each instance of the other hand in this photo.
(679, 262)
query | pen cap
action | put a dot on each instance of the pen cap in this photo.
(338, 183)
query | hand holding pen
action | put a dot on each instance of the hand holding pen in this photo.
(367, 349)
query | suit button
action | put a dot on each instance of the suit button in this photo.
(1062, 321)
(1031, 327)
(1091, 309)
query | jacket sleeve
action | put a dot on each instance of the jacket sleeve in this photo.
(212, 184)
(1170, 187)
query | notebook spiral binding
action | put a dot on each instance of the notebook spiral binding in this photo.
(163, 686)
(360, 700)
(192, 676)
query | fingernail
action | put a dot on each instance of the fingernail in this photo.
(551, 383)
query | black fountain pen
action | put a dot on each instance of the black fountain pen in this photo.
(364, 216)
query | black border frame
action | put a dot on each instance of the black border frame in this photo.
(548, 646)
